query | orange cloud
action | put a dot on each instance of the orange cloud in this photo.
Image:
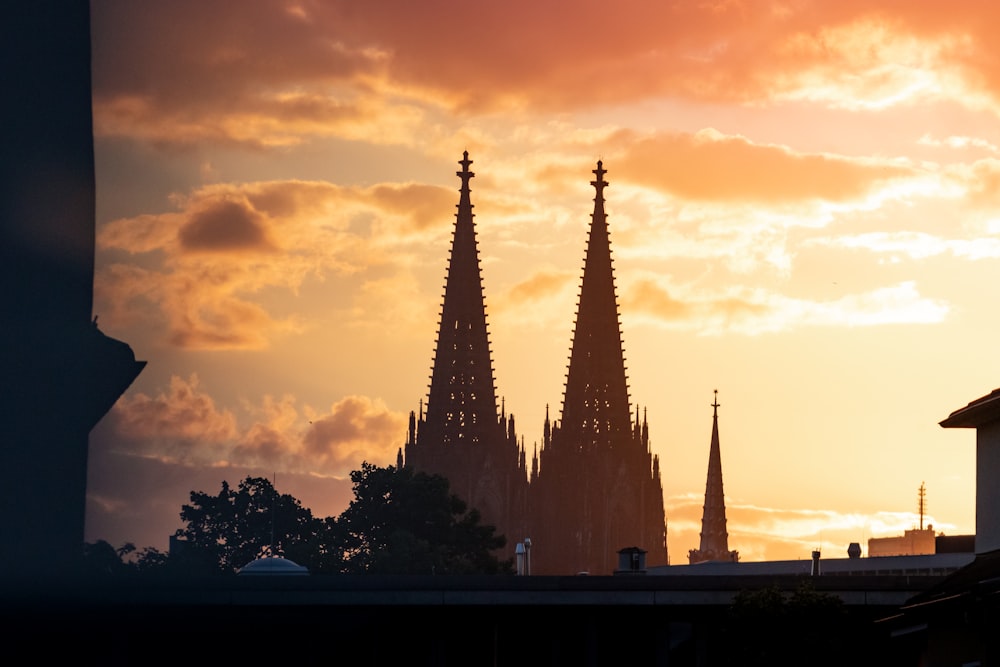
(201, 270)
(356, 429)
(264, 76)
(755, 311)
(180, 420)
(224, 226)
(185, 425)
(539, 286)
(710, 166)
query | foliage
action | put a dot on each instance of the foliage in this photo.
(224, 532)
(400, 522)
(768, 627)
(102, 559)
(407, 522)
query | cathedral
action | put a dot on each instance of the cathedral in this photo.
(594, 486)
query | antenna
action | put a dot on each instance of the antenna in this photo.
(274, 507)
(922, 503)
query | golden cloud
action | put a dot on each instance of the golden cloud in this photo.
(202, 270)
(711, 166)
(751, 311)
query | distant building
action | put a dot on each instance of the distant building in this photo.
(912, 543)
(594, 487)
(714, 537)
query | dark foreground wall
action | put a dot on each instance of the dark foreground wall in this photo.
(60, 374)
(453, 621)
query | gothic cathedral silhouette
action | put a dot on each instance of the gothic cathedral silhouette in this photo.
(594, 486)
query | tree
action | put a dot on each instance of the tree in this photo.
(102, 559)
(407, 522)
(768, 627)
(227, 531)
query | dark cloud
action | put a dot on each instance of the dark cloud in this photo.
(224, 226)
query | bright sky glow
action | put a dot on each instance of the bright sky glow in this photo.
(803, 210)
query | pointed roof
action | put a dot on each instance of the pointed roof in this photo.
(462, 402)
(595, 405)
(714, 537)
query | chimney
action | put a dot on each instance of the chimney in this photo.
(631, 560)
(815, 563)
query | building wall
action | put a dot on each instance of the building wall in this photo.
(987, 489)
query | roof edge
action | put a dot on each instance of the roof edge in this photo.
(981, 411)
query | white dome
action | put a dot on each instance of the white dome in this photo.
(273, 565)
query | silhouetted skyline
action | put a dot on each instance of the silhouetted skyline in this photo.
(811, 231)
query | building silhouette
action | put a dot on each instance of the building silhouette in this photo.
(461, 436)
(594, 487)
(61, 373)
(714, 544)
(597, 488)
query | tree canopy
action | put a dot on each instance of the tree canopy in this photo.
(399, 522)
(224, 532)
(407, 522)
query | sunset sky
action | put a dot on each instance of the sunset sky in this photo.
(804, 207)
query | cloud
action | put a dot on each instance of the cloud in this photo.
(915, 245)
(753, 311)
(224, 226)
(711, 166)
(356, 428)
(204, 271)
(183, 424)
(189, 73)
(769, 533)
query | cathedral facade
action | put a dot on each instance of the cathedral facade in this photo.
(594, 486)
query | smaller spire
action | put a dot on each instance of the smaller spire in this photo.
(715, 405)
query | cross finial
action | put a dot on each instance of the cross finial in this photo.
(600, 183)
(465, 174)
(715, 404)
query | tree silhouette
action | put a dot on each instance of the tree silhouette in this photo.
(224, 532)
(767, 627)
(407, 522)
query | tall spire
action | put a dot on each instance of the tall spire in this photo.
(714, 537)
(596, 487)
(596, 404)
(462, 403)
(460, 433)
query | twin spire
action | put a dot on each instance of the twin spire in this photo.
(594, 485)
